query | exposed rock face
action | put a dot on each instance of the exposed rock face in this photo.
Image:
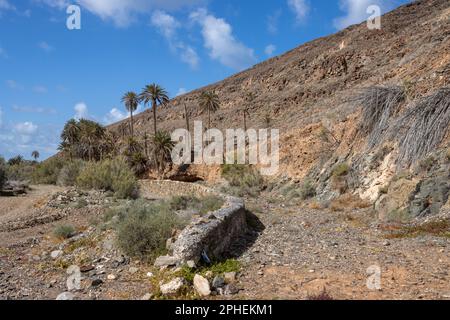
(172, 287)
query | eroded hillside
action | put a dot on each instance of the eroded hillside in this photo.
(315, 93)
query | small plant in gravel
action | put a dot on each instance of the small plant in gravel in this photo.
(143, 228)
(64, 231)
(203, 205)
(216, 269)
(323, 296)
(440, 228)
(341, 170)
(243, 180)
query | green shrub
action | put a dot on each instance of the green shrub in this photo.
(243, 180)
(2, 174)
(47, 172)
(64, 231)
(203, 205)
(307, 190)
(341, 170)
(20, 172)
(109, 175)
(143, 228)
(69, 173)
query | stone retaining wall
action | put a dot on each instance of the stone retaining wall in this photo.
(211, 234)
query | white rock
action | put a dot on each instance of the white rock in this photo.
(201, 285)
(172, 287)
(65, 296)
(56, 254)
(230, 277)
(133, 270)
(147, 297)
(164, 261)
(111, 277)
(191, 264)
(150, 274)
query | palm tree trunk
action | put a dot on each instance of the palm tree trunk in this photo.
(132, 124)
(155, 129)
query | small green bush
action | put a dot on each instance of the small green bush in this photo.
(47, 172)
(143, 228)
(307, 190)
(69, 173)
(109, 175)
(203, 205)
(243, 180)
(22, 171)
(64, 231)
(341, 170)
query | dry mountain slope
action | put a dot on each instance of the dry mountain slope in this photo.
(309, 95)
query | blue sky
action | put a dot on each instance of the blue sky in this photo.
(49, 74)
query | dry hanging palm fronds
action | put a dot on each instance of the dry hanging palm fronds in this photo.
(379, 104)
(427, 124)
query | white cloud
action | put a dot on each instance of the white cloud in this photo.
(12, 84)
(25, 128)
(356, 11)
(222, 45)
(270, 49)
(27, 109)
(272, 21)
(167, 25)
(300, 8)
(81, 111)
(45, 46)
(5, 5)
(123, 12)
(181, 91)
(40, 89)
(115, 115)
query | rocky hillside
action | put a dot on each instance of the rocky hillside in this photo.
(361, 111)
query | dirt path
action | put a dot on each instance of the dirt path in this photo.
(301, 252)
(12, 208)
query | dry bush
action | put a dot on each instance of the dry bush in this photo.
(379, 104)
(439, 228)
(426, 125)
(348, 202)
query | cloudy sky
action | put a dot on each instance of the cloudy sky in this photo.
(49, 74)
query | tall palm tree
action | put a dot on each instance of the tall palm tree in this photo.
(210, 103)
(163, 145)
(157, 96)
(131, 101)
(35, 154)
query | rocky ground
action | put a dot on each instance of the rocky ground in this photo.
(293, 252)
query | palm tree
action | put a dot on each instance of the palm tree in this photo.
(131, 101)
(209, 102)
(157, 96)
(35, 154)
(163, 145)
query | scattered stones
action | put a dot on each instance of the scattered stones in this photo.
(85, 269)
(65, 296)
(166, 261)
(230, 277)
(111, 277)
(56, 254)
(201, 285)
(133, 270)
(96, 282)
(147, 297)
(218, 282)
(172, 287)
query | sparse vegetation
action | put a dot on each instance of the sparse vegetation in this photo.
(340, 170)
(440, 228)
(109, 175)
(216, 268)
(243, 180)
(64, 231)
(2, 173)
(70, 172)
(203, 205)
(47, 172)
(323, 296)
(143, 228)
(348, 202)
